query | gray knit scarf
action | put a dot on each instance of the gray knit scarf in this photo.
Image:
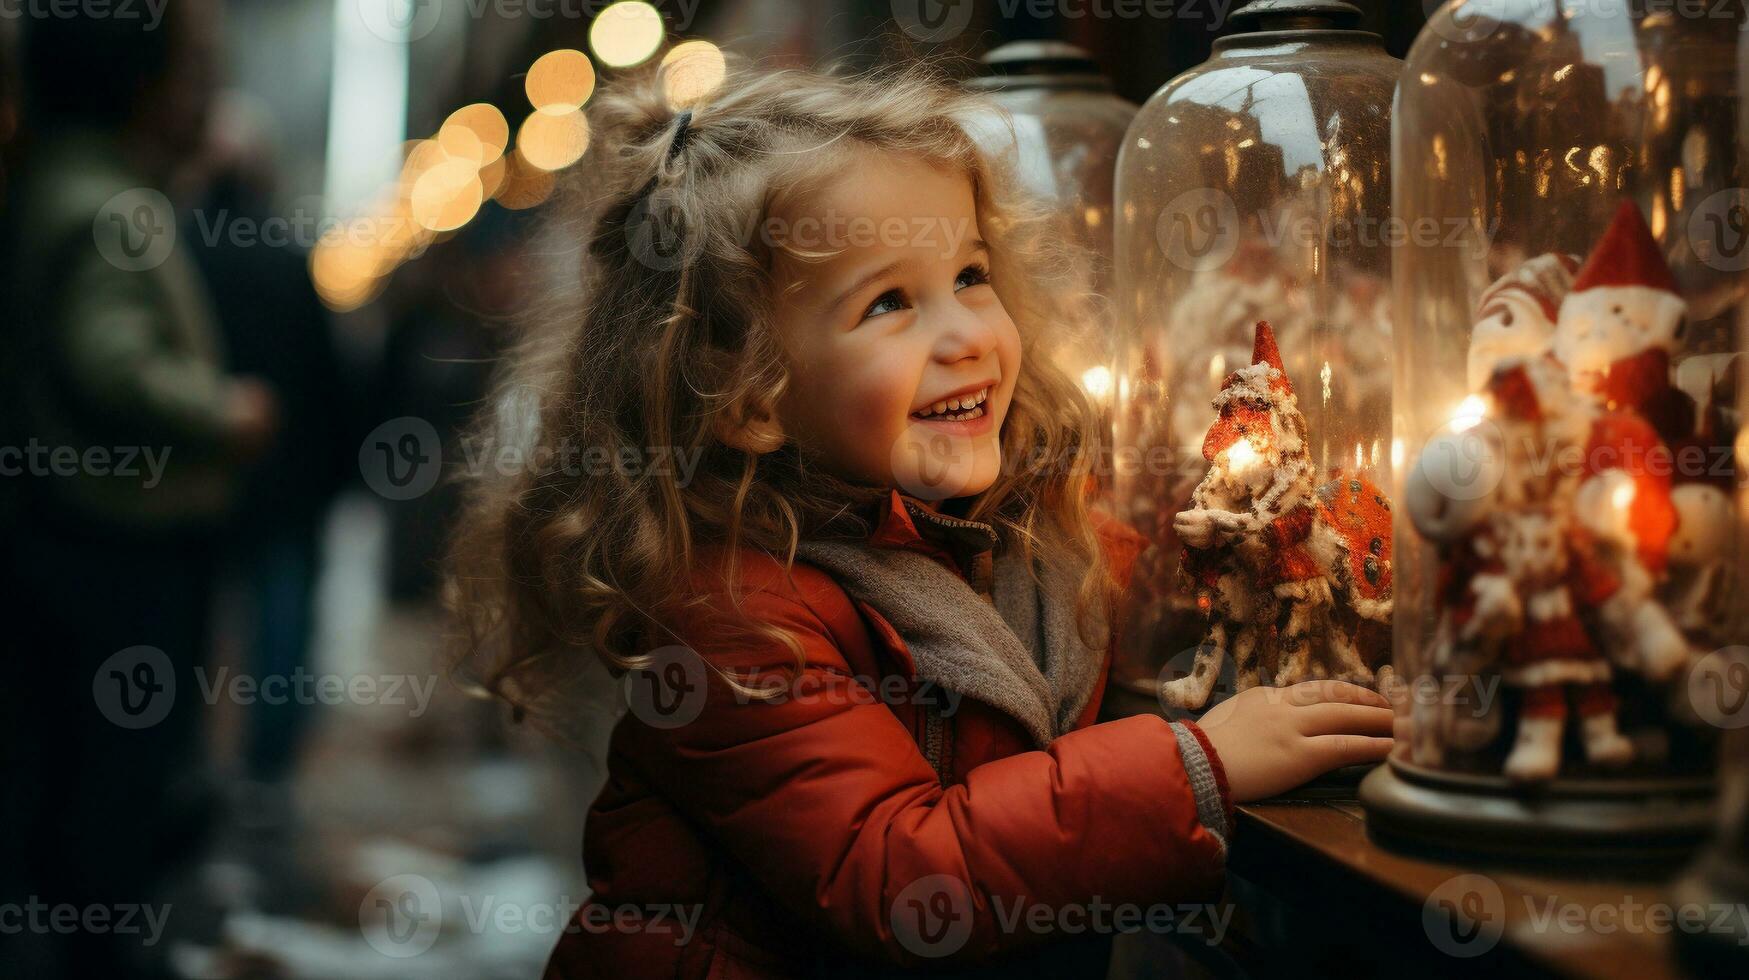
(1019, 652)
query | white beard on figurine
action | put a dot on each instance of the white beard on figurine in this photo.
(1623, 305)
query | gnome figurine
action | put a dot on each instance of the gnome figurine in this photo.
(1275, 562)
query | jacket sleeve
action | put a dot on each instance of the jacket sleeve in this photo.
(826, 799)
(119, 360)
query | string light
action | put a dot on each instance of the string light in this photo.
(626, 34)
(447, 195)
(525, 185)
(560, 81)
(692, 73)
(478, 132)
(553, 142)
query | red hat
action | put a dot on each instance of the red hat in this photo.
(1626, 255)
(1264, 351)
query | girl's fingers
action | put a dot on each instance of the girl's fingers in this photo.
(1344, 719)
(1324, 692)
(1336, 751)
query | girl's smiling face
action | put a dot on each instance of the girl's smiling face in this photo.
(902, 360)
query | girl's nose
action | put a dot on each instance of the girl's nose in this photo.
(965, 334)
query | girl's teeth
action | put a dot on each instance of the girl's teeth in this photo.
(965, 403)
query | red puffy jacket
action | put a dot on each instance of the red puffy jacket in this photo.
(736, 838)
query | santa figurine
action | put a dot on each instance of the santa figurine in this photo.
(1524, 576)
(1615, 335)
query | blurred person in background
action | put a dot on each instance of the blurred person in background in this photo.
(135, 435)
(275, 328)
(445, 339)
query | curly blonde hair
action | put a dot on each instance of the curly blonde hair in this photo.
(662, 332)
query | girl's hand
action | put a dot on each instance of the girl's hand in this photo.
(1272, 739)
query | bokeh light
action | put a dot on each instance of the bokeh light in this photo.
(525, 185)
(447, 195)
(478, 132)
(692, 73)
(492, 177)
(553, 142)
(560, 81)
(626, 34)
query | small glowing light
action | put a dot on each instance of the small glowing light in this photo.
(1217, 368)
(1242, 455)
(553, 142)
(1359, 457)
(344, 271)
(1094, 217)
(525, 185)
(1398, 454)
(560, 81)
(447, 196)
(492, 177)
(626, 33)
(692, 73)
(1469, 414)
(1623, 495)
(421, 156)
(1096, 381)
(475, 132)
(1428, 78)
(1247, 143)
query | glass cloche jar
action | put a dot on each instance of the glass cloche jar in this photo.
(1567, 405)
(1252, 402)
(1063, 127)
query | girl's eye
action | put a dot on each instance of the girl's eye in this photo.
(971, 275)
(888, 302)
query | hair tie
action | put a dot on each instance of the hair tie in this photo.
(681, 132)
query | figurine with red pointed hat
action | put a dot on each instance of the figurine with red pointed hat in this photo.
(1288, 574)
(1550, 561)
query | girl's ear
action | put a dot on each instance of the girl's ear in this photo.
(752, 429)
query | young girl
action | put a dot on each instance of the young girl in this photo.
(812, 487)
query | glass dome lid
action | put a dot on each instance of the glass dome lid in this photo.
(1256, 187)
(1565, 440)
